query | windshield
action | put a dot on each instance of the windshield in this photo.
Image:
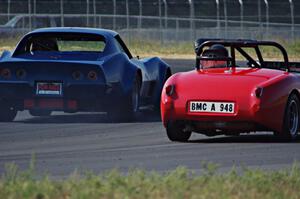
(62, 46)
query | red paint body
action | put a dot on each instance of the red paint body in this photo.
(236, 85)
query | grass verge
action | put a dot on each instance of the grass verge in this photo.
(179, 183)
(175, 50)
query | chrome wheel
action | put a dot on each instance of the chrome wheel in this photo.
(128, 110)
(293, 117)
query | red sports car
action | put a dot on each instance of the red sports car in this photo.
(233, 90)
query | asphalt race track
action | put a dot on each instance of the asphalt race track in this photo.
(63, 143)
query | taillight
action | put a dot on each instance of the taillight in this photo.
(77, 75)
(21, 73)
(6, 73)
(258, 92)
(92, 75)
(170, 90)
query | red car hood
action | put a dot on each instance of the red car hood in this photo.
(222, 83)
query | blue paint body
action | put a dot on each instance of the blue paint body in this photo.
(116, 71)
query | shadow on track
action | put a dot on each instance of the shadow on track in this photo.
(245, 139)
(143, 117)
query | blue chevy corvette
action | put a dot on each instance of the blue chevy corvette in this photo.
(77, 69)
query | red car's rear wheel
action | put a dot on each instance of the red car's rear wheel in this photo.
(291, 119)
(176, 132)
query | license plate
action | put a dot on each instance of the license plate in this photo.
(211, 107)
(47, 88)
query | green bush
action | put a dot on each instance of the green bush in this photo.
(174, 50)
(179, 183)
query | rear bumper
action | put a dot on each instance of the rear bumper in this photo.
(221, 126)
(245, 119)
(75, 97)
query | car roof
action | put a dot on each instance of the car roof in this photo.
(103, 32)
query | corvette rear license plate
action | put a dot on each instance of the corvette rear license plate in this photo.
(211, 107)
(48, 88)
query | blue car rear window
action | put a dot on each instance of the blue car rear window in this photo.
(74, 46)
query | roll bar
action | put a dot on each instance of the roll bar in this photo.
(200, 44)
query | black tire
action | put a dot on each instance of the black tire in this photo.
(7, 113)
(40, 113)
(129, 109)
(175, 132)
(291, 118)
